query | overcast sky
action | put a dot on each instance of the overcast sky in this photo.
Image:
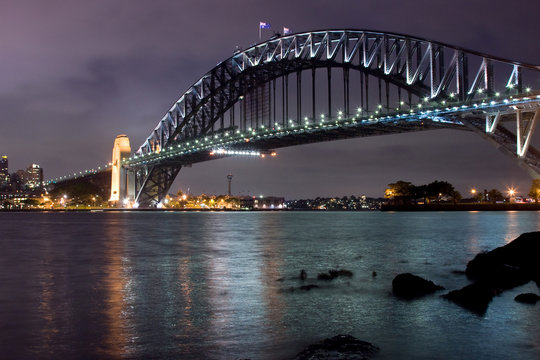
(74, 74)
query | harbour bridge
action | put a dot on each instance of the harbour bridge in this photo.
(335, 84)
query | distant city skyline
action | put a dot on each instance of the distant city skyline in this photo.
(72, 83)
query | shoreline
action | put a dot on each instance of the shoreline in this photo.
(384, 208)
(463, 207)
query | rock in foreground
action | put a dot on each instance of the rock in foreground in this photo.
(410, 286)
(475, 297)
(527, 298)
(516, 263)
(505, 267)
(332, 274)
(337, 348)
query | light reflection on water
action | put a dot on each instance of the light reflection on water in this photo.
(118, 292)
(205, 285)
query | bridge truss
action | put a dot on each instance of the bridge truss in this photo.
(326, 85)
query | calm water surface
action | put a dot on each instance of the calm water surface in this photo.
(205, 285)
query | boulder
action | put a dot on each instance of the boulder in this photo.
(513, 264)
(332, 274)
(505, 267)
(475, 297)
(339, 347)
(411, 286)
(308, 287)
(527, 298)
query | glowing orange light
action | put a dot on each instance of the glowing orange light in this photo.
(247, 140)
(273, 154)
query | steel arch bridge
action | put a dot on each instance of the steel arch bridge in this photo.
(335, 84)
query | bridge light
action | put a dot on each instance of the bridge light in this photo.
(528, 89)
(419, 106)
(379, 106)
(359, 109)
(452, 95)
(497, 94)
(426, 99)
(480, 91)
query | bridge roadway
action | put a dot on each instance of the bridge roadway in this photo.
(263, 140)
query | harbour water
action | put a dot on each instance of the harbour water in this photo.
(224, 285)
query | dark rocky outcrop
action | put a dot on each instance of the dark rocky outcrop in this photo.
(527, 298)
(339, 347)
(332, 274)
(410, 286)
(308, 287)
(292, 289)
(505, 267)
(475, 297)
(511, 265)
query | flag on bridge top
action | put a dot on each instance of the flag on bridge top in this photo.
(286, 31)
(264, 25)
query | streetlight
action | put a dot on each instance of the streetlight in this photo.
(511, 194)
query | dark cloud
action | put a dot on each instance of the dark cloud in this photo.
(74, 74)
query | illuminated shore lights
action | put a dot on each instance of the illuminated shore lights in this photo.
(240, 152)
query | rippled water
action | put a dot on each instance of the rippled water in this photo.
(205, 285)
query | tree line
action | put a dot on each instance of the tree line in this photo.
(404, 192)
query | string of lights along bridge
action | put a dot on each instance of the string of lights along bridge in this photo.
(328, 85)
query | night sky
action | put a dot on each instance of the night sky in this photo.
(74, 74)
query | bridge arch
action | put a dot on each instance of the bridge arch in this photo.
(398, 75)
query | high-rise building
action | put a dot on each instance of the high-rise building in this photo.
(35, 177)
(4, 171)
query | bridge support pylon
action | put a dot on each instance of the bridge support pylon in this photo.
(122, 179)
(155, 182)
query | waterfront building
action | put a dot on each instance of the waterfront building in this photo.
(266, 203)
